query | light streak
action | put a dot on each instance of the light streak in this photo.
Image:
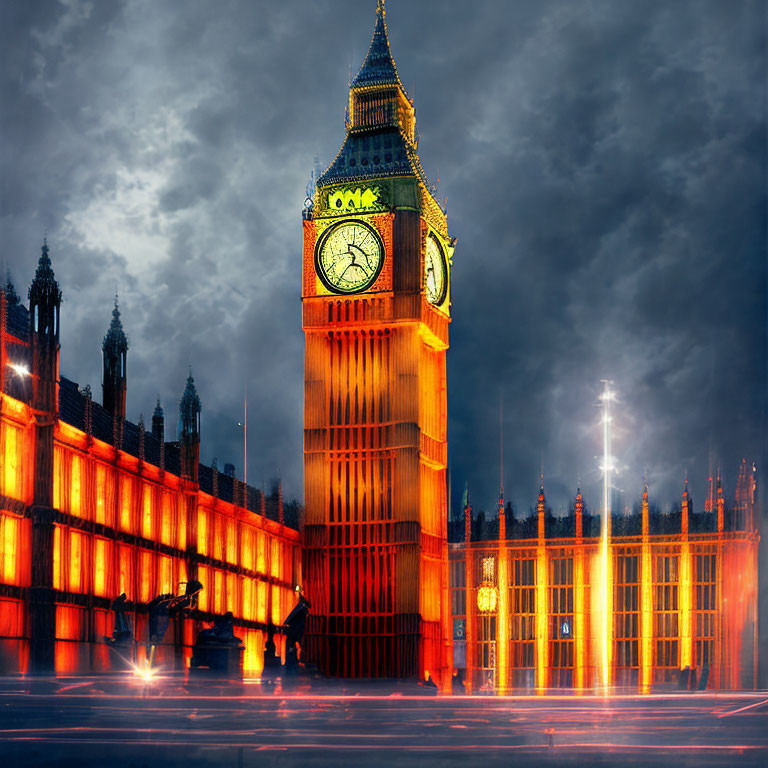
(608, 467)
(19, 369)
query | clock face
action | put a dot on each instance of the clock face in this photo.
(435, 272)
(349, 257)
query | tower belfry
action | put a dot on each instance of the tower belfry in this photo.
(376, 311)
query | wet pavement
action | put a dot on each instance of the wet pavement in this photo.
(123, 721)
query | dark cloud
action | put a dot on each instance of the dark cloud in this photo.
(604, 165)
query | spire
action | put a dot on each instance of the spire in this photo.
(158, 422)
(11, 297)
(646, 516)
(379, 67)
(686, 508)
(189, 410)
(44, 285)
(579, 513)
(115, 342)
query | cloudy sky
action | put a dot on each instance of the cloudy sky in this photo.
(604, 165)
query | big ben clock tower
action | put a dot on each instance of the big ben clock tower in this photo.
(376, 311)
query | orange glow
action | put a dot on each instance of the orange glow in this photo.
(126, 490)
(542, 644)
(686, 616)
(126, 571)
(100, 549)
(261, 601)
(9, 548)
(146, 516)
(75, 561)
(165, 573)
(101, 494)
(261, 547)
(580, 619)
(502, 655)
(202, 531)
(486, 598)
(57, 557)
(11, 485)
(75, 497)
(145, 575)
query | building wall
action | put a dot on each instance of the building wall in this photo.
(123, 525)
(677, 601)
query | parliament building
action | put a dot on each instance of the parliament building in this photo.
(93, 506)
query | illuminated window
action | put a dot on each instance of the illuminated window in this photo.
(561, 621)
(59, 483)
(218, 591)
(261, 548)
(274, 559)
(146, 575)
(277, 613)
(626, 606)
(231, 542)
(166, 585)
(666, 616)
(9, 548)
(102, 550)
(126, 501)
(10, 477)
(261, 601)
(202, 531)
(204, 577)
(231, 596)
(146, 510)
(76, 561)
(523, 621)
(166, 525)
(705, 614)
(76, 483)
(246, 547)
(57, 559)
(126, 571)
(101, 494)
(248, 605)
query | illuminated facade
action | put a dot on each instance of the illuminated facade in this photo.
(92, 506)
(683, 594)
(376, 310)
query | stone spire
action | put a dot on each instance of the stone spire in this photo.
(114, 350)
(189, 430)
(158, 422)
(44, 316)
(379, 67)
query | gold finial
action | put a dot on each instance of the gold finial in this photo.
(380, 8)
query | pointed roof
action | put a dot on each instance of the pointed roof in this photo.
(189, 408)
(115, 341)
(10, 291)
(45, 281)
(379, 67)
(158, 414)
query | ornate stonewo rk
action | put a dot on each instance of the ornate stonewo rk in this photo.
(376, 310)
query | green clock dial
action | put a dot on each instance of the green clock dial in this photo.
(349, 257)
(435, 272)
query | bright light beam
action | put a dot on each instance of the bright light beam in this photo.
(19, 369)
(608, 467)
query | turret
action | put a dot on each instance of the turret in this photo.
(646, 520)
(44, 314)
(579, 512)
(158, 423)
(720, 504)
(686, 509)
(189, 430)
(541, 506)
(114, 350)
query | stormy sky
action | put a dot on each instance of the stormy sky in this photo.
(604, 165)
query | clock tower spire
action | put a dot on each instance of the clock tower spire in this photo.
(376, 313)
